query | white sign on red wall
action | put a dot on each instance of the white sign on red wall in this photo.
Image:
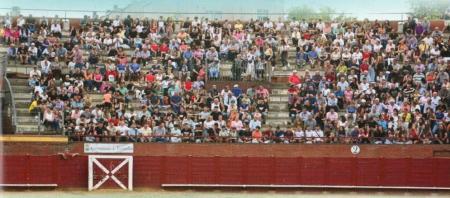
(108, 148)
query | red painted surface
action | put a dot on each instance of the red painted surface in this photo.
(152, 171)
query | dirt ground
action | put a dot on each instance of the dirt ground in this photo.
(218, 193)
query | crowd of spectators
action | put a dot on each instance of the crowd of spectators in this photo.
(378, 85)
(151, 74)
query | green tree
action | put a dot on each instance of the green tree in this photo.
(308, 13)
(303, 12)
(433, 9)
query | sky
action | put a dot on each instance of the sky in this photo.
(358, 8)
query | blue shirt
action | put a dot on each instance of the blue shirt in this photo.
(312, 54)
(120, 67)
(135, 67)
(187, 54)
(236, 91)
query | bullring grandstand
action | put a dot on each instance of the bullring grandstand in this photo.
(203, 102)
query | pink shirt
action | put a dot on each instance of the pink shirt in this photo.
(348, 94)
(237, 124)
(332, 116)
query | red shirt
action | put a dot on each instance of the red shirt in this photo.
(114, 121)
(306, 36)
(201, 73)
(259, 42)
(154, 47)
(150, 78)
(294, 79)
(164, 48)
(111, 75)
(330, 77)
(15, 34)
(366, 55)
(188, 85)
(364, 67)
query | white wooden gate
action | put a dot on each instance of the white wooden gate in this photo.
(110, 174)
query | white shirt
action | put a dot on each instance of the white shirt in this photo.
(56, 27)
(116, 22)
(122, 130)
(48, 115)
(299, 134)
(320, 26)
(35, 72)
(280, 25)
(268, 24)
(33, 51)
(139, 28)
(45, 66)
(310, 133)
(20, 22)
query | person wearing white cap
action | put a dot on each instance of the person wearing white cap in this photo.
(294, 79)
(33, 52)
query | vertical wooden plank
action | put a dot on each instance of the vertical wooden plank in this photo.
(244, 166)
(274, 170)
(28, 168)
(189, 169)
(434, 171)
(409, 171)
(216, 169)
(55, 165)
(355, 170)
(326, 175)
(162, 175)
(381, 176)
(300, 170)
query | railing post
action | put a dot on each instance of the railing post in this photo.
(39, 122)
(62, 124)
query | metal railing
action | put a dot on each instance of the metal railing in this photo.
(8, 93)
(200, 137)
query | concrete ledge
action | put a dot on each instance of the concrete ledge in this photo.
(33, 138)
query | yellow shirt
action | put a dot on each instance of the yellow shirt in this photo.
(342, 69)
(33, 105)
(238, 26)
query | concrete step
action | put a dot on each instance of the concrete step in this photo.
(279, 98)
(24, 104)
(20, 88)
(22, 111)
(34, 128)
(18, 81)
(279, 91)
(278, 115)
(278, 107)
(279, 122)
(27, 119)
(22, 96)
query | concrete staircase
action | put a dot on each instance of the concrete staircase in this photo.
(278, 104)
(28, 123)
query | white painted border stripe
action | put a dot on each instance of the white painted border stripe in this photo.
(304, 186)
(29, 185)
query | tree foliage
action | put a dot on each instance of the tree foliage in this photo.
(308, 13)
(431, 9)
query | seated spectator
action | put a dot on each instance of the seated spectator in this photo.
(294, 79)
(11, 53)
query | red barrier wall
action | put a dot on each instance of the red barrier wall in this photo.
(152, 171)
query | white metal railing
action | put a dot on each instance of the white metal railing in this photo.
(9, 94)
